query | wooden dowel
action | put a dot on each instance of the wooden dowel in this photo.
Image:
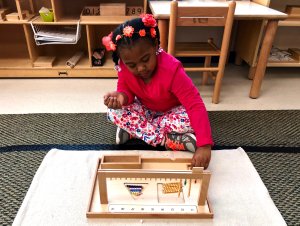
(190, 186)
(180, 186)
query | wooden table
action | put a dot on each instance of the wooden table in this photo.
(244, 11)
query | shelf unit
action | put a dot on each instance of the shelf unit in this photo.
(19, 51)
(287, 33)
(249, 35)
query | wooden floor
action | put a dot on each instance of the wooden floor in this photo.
(280, 90)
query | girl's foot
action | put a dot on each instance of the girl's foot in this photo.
(122, 136)
(181, 142)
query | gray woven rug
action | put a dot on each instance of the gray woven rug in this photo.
(25, 139)
(269, 129)
(279, 172)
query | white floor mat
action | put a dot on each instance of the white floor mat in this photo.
(60, 190)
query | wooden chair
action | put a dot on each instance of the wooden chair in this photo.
(203, 16)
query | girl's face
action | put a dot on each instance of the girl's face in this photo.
(140, 59)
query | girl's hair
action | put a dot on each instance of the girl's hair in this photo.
(136, 29)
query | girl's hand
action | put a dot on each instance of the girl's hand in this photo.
(115, 100)
(202, 156)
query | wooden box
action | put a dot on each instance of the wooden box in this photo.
(44, 61)
(134, 10)
(295, 53)
(139, 193)
(12, 16)
(3, 12)
(121, 162)
(90, 13)
(293, 11)
(112, 9)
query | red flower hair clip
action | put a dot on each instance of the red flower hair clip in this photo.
(152, 32)
(148, 20)
(108, 43)
(128, 31)
(142, 33)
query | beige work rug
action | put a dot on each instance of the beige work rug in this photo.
(59, 192)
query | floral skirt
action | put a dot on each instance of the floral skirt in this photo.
(150, 126)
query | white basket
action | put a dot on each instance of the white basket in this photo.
(56, 34)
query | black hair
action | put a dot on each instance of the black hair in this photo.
(125, 41)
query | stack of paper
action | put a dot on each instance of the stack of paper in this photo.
(60, 34)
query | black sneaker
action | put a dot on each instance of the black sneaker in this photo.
(181, 142)
(122, 136)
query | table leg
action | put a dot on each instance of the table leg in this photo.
(263, 58)
(163, 26)
(238, 60)
(251, 72)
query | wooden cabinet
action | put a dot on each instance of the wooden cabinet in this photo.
(249, 35)
(19, 52)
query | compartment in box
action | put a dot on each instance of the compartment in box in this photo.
(8, 4)
(95, 34)
(68, 9)
(121, 162)
(282, 5)
(6, 7)
(14, 51)
(25, 9)
(38, 4)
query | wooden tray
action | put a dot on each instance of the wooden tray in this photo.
(111, 198)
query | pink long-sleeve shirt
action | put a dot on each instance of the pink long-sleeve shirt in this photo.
(169, 87)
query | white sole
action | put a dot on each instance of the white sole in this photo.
(117, 136)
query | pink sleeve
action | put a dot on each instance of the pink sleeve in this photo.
(122, 87)
(188, 95)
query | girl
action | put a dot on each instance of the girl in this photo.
(155, 99)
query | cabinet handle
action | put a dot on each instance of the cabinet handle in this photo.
(63, 73)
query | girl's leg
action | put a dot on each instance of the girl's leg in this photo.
(174, 121)
(177, 130)
(148, 125)
(136, 119)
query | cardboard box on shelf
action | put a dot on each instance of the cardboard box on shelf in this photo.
(44, 61)
(14, 16)
(293, 11)
(295, 53)
(134, 10)
(3, 13)
(112, 9)
(90, 13)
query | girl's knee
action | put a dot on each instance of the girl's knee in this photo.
(112, 114)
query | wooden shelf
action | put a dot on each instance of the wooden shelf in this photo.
(84, 63)
(109, 20)
(14, 22)
(102, 20)
(285, 35)
(8, 63)
(283, 64)
(64, 21)
(290, 23)
(19, 51)
(250, 33)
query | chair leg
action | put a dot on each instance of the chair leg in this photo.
(205, 73)
(217, 88)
